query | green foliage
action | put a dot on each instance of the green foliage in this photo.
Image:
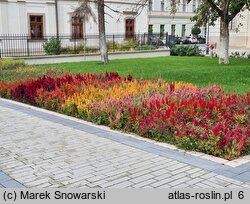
(112, 46)
(210, 11)
(127, 45)
(78, 50)
(188, 143)
(8, 64)
(186, 51)
(9, 68)
(196, 31)
(237, 54)
(13, 70)
(52, 46)
(130, 43)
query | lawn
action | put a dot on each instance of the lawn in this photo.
(200, 71)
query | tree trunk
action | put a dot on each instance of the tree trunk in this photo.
(102, 35)
(224, 41)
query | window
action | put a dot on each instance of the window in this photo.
(150, 5)
(184, 7)
(194, 5)
(172, 29)
(205, 31)
(162, 30)
(233, 25)
(183, 30)
(36, 27)
(162, 5)
(150, 29)
(130, 28)
(77, 27)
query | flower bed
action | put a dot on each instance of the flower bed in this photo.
(201, 119)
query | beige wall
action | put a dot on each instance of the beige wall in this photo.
(239, 36)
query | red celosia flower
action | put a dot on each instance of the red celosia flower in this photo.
(217, 129)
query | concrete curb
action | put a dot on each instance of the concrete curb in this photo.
(36, 60)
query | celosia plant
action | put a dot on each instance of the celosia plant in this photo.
(201, 119)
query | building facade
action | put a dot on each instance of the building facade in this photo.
(38, 17)
(160, 18)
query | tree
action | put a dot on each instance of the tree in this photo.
(224, 10)
(210, 11)
(85, 11)
(102, 33)
(196, 31)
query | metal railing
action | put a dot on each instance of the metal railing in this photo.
(12, 45)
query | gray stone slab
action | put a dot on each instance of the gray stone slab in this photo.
(8, 182)
(225, 172)
(4, 177)
(240, 169)
(244, 177)
(12, 184)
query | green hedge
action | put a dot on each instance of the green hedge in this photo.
(183, 50)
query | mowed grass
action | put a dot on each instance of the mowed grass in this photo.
(201, 71)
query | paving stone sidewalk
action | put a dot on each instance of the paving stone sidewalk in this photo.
(38, 149)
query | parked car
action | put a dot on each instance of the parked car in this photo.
(189, 40)
(194, 40)
(162, 42)
(186, 40)
(179, 40)
(155, 40)
(201, 39)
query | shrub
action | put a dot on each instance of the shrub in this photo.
(237, 54)
(130, 44)
(183, 50)
(78, 49)
(127, 45)
(113, 45)
(8, 64)
(196, 31)
(69, 50)
(52, 46)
